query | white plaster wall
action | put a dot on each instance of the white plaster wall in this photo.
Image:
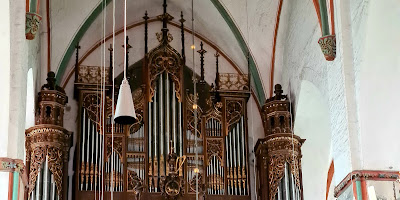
(379, 93)
(312, 123)
(65, 19)
(303, 60)
(5, 62)
(256, 131)
(258, 31)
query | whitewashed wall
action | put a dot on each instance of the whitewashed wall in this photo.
(379, 87)
(312, 124)
(300, 58)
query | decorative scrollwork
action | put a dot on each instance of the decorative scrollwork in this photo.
(56, 166)
(38, 155)
(190, 115)
(139, 100)
(215, 147)
(197, 179)
(117, 147)
(135, 184)
(234, 111)
(92, 103)
(164, 58)
(277, 170)
(280, 151)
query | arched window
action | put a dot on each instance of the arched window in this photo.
(30, 100)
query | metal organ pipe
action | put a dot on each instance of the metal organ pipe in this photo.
(239, 160)
(161, 107)
(83, 148)
(173, 115)
(180, 129)
(244, 156)
(39, 184)
(155, 160)
(150, 148)
(87, 154)
(167, 119)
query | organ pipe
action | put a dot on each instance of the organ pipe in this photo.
(161, 107)
(167, 140)
(174, 115)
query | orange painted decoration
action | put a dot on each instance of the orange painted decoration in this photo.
(316, 5)
(278, 17)
(331, 171)
(332, 17)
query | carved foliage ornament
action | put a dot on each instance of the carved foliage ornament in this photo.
(277, 170)
(165, 59)
(93, 74)
(328, 46)
(32, 22)
(234, 111)
(191, 117)
(92, 102)
(53, 143)
(135, 184)
(117, 147)
(235, 82)
(55, 165)
(215, 147)
(280, 152)
(196, 180)
(138, 99)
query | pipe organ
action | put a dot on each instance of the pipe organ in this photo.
(181, 140)
(278, 155)
(189, 136)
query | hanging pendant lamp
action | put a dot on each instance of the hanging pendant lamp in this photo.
(125, 111)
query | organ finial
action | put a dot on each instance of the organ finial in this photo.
(128, 46)
(183, 37)
(77, 47)
(146, 17)
(202, 52)
(217, 71)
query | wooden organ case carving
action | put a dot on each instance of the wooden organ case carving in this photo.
(278, 155)
(47, 145)
(164, 102)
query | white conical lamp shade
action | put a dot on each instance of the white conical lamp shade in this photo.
(125, 111)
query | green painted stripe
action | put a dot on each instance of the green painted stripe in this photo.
(235, 30)
(324, 17)
(15, 186)
(359, 192)
(78, 36)
(32, 6)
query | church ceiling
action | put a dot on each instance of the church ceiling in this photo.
(223, 22)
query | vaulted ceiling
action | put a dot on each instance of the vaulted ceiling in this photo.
(232, 26)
